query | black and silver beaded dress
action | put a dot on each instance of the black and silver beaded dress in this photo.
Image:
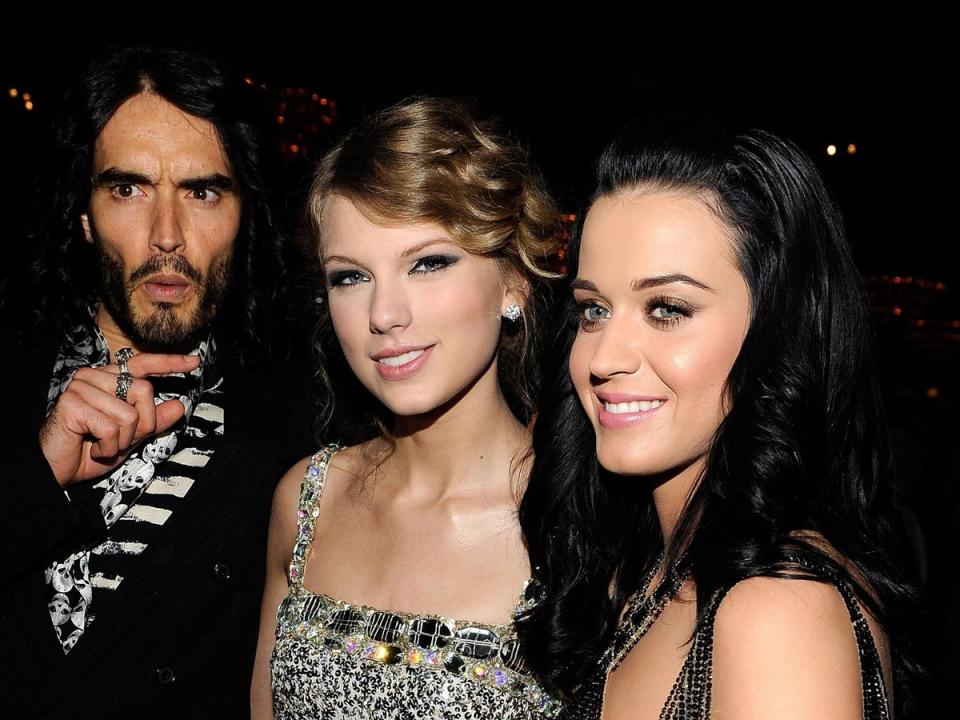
(690, 696)
(334, 659)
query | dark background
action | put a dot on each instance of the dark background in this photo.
(565, 85)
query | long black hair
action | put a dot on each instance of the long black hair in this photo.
(260, 312)
(801, 456)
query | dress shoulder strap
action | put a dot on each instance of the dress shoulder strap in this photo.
(690, 696)
(875, 700)
(311, 491)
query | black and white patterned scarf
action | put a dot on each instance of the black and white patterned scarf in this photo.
(70, 588)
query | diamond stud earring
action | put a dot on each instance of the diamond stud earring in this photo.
(512, 312)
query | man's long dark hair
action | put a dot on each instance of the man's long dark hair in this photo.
(803, 448)
(259, 315)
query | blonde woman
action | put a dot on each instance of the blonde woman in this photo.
(397, 562)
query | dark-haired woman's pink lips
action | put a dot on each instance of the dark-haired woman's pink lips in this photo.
(617, 412)
(401, 366)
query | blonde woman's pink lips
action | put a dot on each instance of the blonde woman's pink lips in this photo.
(392, 364)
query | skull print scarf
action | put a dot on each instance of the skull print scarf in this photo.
(68, 581)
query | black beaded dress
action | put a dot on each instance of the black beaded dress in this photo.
(690, 696)
(334, 659)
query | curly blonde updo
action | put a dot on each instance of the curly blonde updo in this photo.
(431, 160)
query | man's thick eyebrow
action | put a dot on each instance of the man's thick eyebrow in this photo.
(658, 280)
(116, 176)
(217, 181)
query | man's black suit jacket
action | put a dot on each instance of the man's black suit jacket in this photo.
(182, 644)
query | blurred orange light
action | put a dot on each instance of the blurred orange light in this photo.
(939, 286)
(897, 310)
(13, 92)
(280, 119)
(897, 280)
(323, 101)
(28, 105)
(933, 393)
(851, 149)
(248, 81)
(294, 148)
(27, 97)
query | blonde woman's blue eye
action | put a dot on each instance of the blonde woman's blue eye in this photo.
(432, 263)
(345, 278)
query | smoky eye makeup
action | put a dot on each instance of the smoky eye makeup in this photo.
(433, 263)
(345, 278)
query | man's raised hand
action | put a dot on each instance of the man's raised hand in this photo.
(90, 430)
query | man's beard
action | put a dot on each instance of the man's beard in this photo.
(163, 328)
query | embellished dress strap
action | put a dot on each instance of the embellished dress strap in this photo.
(642, 611)
(311, 491)
(690, 696)
(875, 700)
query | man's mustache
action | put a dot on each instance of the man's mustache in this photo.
(166, 263)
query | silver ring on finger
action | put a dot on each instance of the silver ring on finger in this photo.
(124, 382)
(122, 355)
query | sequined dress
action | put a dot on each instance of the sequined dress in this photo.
(690, 696)
(333, 659)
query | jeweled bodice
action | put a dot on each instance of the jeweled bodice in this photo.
(334, 659)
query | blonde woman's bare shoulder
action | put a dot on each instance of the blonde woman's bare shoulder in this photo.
(785, 648)
(288, 489)
(286, 498)
(347, 469)
(350, 467)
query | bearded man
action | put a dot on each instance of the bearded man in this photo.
(151, 402)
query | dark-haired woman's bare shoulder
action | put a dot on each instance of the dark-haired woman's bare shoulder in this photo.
(785, 648)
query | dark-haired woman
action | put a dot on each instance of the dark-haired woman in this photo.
(397, 562)
(708, 506)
